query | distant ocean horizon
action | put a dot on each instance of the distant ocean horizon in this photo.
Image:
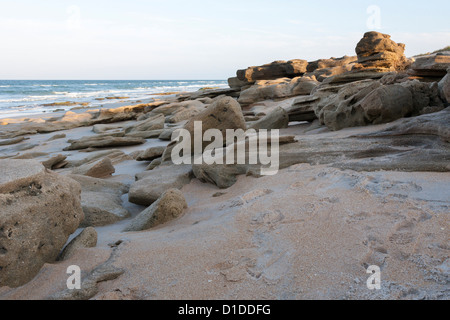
(28, 97)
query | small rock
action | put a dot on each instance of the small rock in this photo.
(169, 206)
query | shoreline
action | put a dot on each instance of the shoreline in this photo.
(77, 95)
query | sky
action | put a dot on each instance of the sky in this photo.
(179, 39)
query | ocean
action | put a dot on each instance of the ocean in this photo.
(28, 97)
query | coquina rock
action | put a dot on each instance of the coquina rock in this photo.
(169, 206)
(326, 68)
(444, 87)
(274, 70)
(377, 51)
(276, 119)
(434, 65)
(277, 89)
(152, 184)
(86, 239)
(39, 211)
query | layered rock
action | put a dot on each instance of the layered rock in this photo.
(276, 119)
(101, 201)
(86, 239)
(444, 87)
(434, 65)
(39, 211)
(152, 184)
(366, 102)
(277, 89)
(223, 114)
(100, 141)
(169, 206)
(152, 123)
(325, 68)
(397, 146)
(150, 154)
(180, 111)
(100, 169)
(377, 51)
(274, 70)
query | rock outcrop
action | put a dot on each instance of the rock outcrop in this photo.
(39, 211)
(377, 51)
(100, 169)
(86, 239)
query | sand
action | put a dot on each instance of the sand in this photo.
(309, 232)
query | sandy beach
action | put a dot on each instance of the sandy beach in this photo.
(349, 194)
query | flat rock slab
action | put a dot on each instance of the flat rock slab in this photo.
(103, 142)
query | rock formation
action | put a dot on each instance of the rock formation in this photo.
(39, 211)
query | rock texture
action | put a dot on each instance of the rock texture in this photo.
(152, 184)
(399, 146)
(150, 154)
(277, 119)
(434, 65)
(444, 87)
(277, 89)
(101, 201)
(86, 239)
(274, 70)
(100, 169)
(168, 207)
(103, 142)
(223, 114)
(39, 211)
(378, 51)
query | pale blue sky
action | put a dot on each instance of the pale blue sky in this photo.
(193, 39)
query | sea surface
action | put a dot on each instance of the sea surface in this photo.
(28, 97)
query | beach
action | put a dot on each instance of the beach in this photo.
(361, 183)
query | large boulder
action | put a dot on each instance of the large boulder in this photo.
(169, 206)
(330, 63)
(39, 211)
(274, 70)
